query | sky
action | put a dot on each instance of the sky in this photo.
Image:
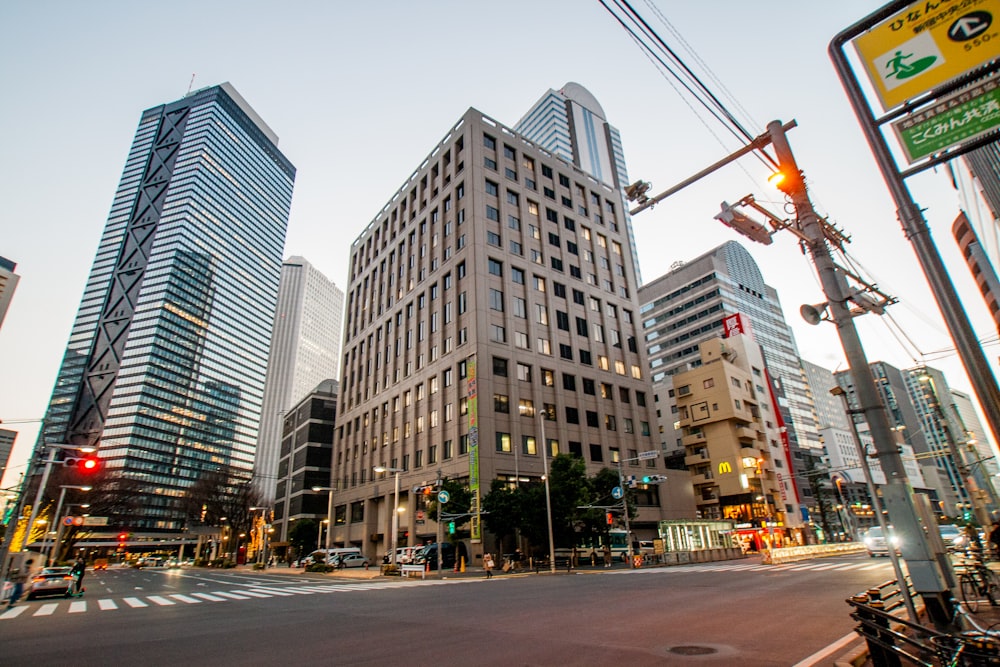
(360, 93)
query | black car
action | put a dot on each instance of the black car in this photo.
(429, 555)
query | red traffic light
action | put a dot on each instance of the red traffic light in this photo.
(610, 517)
(122, 537)
(84, 464)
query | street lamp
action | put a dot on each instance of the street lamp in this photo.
(395, 512)
(62, 497)
(262, 540)
(329, 514)
(548, 498)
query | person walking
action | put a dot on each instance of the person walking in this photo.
(607, 555)
(18, 577)
(78, 571)
(488, 565)
(994, 539)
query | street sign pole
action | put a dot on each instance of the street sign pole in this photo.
(914, 226)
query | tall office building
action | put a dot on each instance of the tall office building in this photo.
(493, 289)
(693, 303)
(8, 283)
(164, 370)
(6, 447)
(304, 460)
(972, 435)
(571, 123)
(305, 351)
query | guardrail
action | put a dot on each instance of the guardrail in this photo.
(789, 554)
(893, 640)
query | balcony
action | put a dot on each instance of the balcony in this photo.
(692, 460)
(693, 439)
(747, 433)
(701, 479)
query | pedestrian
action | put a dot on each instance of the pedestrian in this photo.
(994, 538)
(79, 569)
(488, 565)
(18, 577)
(607, 555)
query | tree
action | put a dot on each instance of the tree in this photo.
(502, 512)
(459, 501)
(303, 536)
(111, 496)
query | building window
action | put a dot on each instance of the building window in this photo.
(503, 441)
(495, 267)
(523, 372)
(501, 404)
(525, 408)
(569, 382)
(500, 366)
(596, 453)
(528, 444)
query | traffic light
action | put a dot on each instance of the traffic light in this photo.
(451, 527)
(746, 226)
(654, 479)
(83, 464)
(610, 517)
(121, 540)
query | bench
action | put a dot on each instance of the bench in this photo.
(407, 570)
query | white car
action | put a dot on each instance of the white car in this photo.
(349, 560)
(875, 542)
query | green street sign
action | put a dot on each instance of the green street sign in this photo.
(952, 120)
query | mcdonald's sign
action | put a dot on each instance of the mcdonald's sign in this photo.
(725, 467)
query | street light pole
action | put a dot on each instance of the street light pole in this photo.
(548, 499)
(50, 552)
(395, 512)
(329, 514)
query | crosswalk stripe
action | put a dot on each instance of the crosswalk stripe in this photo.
(13, 612)
(231, 596)
(162, 601)
(135, 603)
(271, 591)
(46, 609)
(106, 605)
(184, 598)
(209, 597)
(77, 607)
(252, 594)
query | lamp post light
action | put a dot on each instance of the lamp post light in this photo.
(262, 534)
(395, 512)
(62, 497)
(329, 514)
(548, 497)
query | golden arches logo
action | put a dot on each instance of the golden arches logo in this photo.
(725, 467)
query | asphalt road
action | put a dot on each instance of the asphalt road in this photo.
(736, 612)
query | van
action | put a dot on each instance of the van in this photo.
(325, 555)
(404, 555)
(449, 555)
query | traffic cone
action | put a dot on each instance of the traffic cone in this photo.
(463, 563)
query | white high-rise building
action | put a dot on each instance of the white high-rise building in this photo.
(571, 123)
(305, 351)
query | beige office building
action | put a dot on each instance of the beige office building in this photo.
(495, 287)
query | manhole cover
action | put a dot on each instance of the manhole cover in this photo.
(692, 650)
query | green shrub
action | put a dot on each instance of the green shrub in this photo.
(319, 567)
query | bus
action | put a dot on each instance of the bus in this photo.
(591, 548)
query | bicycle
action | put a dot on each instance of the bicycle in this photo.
(976, 581)
(974, 647)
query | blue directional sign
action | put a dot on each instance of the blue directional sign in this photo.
(617, 493)
(443, 497)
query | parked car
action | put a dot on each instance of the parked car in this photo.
(100, 564)
(50, 581)
(349, 560)
(429, 555)
(876, 544)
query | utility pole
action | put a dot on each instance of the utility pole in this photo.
(925, 573)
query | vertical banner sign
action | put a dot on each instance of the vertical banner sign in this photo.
(476, 529)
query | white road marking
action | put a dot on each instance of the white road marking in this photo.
(163, 602)
(209, 597)
(135, 603)
(77, 607)
(46, 609)
(184, 598)
(106, 605)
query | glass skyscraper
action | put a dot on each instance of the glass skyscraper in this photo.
(164, 371)
(571, 123)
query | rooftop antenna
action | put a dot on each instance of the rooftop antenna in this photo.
(190, 85)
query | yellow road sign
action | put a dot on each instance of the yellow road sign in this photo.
(928, 44)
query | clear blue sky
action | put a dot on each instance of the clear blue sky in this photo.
(359, 93)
